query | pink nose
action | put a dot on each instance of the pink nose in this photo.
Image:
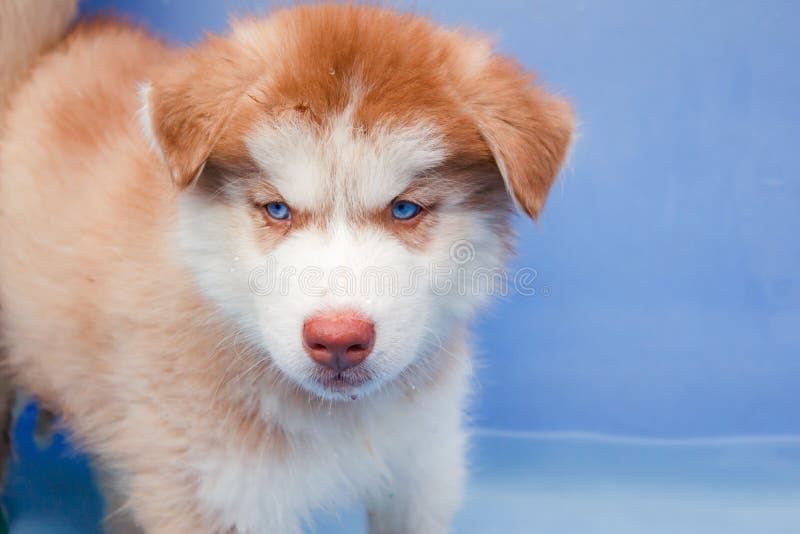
(338, 341)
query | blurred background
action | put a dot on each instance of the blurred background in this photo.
(652, 384)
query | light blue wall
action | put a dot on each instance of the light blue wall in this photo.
(669, 247)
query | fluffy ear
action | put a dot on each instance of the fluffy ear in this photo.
(528, 130)
(185, 110)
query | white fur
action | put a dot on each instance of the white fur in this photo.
(364, 171)
(402, 457)
(146, 119)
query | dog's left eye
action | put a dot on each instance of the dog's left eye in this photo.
(404, 210)
(278, 210)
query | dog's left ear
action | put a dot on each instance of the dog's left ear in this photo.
(186, 108)
(528, 131)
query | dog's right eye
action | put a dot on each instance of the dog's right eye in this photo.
(278, 210)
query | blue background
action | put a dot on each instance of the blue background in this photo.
(669, 247)
(670, 259)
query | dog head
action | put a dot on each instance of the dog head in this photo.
(346, 170)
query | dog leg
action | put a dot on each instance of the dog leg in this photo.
(161, 503)
(424, 496)
(118, 516)
(7, 396)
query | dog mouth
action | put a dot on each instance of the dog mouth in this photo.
(341, 381)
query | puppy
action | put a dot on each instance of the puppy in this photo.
(217, 262)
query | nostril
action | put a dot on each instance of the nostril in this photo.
(338, 340)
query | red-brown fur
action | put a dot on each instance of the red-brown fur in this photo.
(416, 72)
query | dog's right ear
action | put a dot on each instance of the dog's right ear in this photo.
(185, 109)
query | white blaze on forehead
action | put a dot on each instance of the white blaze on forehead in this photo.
(340, 163)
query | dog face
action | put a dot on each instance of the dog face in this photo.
(348, 174)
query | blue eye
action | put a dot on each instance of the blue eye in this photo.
(278, 210)
(404, 210)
